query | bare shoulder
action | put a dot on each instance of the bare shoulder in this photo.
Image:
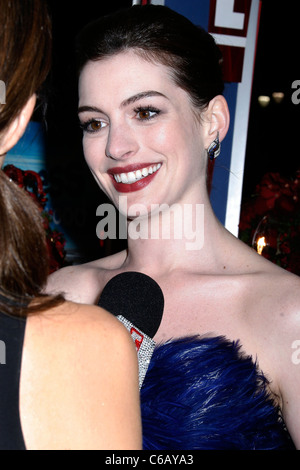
(86, 360)
(272, 300)
(271, 333)
(284, 331)
(79, 324)
(281, 289)
(268, 307)
(83, 283)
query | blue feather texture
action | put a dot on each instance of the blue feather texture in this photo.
(203, 393)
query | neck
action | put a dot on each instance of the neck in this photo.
(177, 237)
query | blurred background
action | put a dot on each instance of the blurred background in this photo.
(272, 151)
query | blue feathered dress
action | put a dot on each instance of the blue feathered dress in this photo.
(201, 393)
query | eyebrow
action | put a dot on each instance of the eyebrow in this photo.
(139, 96)
(128, 101)
(84, 109)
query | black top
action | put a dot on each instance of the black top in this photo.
(12, 332)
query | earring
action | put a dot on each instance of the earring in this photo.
(214, 149)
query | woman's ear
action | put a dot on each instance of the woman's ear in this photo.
(17, 127)
(217, 119)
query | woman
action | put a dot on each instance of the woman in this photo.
(153, 114)
(63, 385)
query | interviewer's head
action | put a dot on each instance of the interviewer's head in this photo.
(25, 58)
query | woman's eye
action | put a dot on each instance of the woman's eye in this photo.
(92, 126)
(144, 114)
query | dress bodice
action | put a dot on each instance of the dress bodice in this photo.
(203, 393)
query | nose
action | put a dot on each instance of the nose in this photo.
(121, 142)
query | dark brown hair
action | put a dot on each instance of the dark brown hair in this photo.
(159, 34)
(24, 263)
(25, 53)
(25, 59)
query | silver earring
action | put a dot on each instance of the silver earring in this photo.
(214, 149)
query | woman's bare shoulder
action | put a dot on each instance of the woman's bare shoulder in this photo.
(72, 326)
(86, 360)
(83, 283)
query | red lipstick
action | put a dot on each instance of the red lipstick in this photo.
(137, 185)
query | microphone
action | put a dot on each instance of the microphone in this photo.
(138, 302)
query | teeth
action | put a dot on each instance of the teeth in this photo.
(124, 178)
(133, 176)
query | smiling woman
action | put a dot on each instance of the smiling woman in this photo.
(134, 141)
(153, 114)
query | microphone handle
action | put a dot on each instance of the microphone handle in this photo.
(144, 347)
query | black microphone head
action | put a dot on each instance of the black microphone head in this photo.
(137, 297)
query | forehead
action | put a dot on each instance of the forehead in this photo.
(123, 75)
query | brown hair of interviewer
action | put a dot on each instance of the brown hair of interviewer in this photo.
(25, 53)
(24, 261)
(25, 60)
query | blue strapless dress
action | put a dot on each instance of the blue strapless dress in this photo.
(203, 393)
